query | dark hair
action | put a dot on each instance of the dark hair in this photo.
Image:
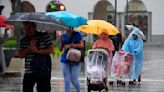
(1, 7)
(71, 28)
(29, 22)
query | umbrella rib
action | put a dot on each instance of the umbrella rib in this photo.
(44, 22)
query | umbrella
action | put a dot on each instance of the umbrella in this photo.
(131, 27)
(97, 26)
(3, 24)
(68, 18)
(42, 21)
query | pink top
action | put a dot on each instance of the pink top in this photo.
(107, 44)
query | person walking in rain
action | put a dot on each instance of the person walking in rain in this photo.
(117, 41)
(3, 38)
(134, 45)
(70, 69)
(2, 59)
(105, 43)
(35, 47)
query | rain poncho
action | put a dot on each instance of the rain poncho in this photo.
(135, 47)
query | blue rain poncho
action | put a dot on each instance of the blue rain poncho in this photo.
(135, 47)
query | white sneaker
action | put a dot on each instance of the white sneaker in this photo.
(139, 83)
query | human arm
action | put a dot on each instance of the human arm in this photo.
(23, 47)
(110, 46)
(72, 45)
(79, 45)
(44, 51)
(5, 36)
(62, 45)
(139, 49)
(95, 44)
(23, 53)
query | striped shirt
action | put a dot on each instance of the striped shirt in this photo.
(43, 41)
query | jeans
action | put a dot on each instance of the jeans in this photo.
(71, 72)
(43, 83)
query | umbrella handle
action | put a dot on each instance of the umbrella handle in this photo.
(62, 37)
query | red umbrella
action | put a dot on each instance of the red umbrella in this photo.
(3, 24)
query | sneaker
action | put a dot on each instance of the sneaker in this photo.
(134, 82)
(139, 83)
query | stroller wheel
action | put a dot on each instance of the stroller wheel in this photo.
(111, 83)
(88, 81)
(123, 83)
(89, 90)
(130, 82)
(118, 82)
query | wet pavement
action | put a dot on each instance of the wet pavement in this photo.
(152, 76)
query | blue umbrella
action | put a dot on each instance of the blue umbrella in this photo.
(68, 18)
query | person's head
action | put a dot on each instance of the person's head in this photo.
(135, 36)
(1, 8)
(69, 30)
(103, 34)
(29, 28)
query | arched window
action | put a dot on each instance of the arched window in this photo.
(137, 15)
(27, 6)
(101, 9)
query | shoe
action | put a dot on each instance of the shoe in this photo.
(134, 82)
(139, 83)
(139, 78)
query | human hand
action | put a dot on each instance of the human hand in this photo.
(61, 38)
(67, 46)
(33, 46)
(6, 30)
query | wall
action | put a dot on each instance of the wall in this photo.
(82, 7)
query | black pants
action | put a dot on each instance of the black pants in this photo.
(43, 83)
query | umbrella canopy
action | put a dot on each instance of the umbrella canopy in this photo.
(97, 26)
(140, 32)
(42, 21)
(3, 24)
(68, 18)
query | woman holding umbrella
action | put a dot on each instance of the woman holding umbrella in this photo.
(70, 39)
(70, 69)
(105, 43)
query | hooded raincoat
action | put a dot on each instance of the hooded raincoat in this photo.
(135, 47)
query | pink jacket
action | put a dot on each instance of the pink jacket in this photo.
(106, 44)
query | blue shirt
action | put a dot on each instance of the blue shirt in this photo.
(75, 38)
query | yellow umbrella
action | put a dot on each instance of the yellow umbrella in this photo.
(97, 26)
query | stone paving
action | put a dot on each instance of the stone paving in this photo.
(152, 76)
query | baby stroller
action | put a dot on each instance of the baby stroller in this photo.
(97, 60)
(120, 67)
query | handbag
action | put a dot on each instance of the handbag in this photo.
(73, 55)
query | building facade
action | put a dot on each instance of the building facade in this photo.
(146, 13)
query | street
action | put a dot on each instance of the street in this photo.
(152, 76)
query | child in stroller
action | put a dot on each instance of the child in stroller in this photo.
(96, 69)
(120, 66)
